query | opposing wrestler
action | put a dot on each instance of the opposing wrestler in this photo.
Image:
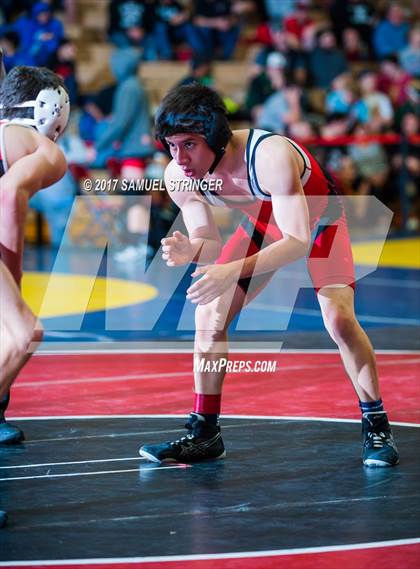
(34, 110)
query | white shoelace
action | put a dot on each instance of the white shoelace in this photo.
(182, 439)
(377, 439)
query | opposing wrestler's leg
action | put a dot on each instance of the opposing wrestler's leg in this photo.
(20, 332)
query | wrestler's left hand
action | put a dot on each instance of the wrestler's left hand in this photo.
(215, 280)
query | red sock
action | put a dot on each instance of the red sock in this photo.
(207, 404)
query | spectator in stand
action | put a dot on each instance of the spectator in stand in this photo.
(302, 131)
(298, 24)
(393, 80)
(373, 107)
(276, 11)
(412, 105)
(354, 47)
(96, 107)
(201, 72)
(217, 28)
(327, 61)
(10, 42)
(5, 15)
(352, 183)
(295, 59)
(408, 164)
(3, 20)
(63, 62)
(126, 135)
(347, 176)
(355, 14)
(131, 23)
(372, 163)
(391, 34)
(410, 55)
(361, 17)
(260, 87)
(370, 157)
(9, 9)
(336, 125)
(245, 8)
(283, 107)
(341, 97)
(172, 27)
(39, 34)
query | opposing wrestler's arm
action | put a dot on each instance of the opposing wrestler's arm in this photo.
(41, 167)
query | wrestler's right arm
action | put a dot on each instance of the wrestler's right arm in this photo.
(203, 243)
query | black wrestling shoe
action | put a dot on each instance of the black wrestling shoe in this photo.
(379, 448)
(10, 434)
(203, 442)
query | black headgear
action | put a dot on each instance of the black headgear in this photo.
(211, 122)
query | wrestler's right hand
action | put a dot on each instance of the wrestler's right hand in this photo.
(177, 250)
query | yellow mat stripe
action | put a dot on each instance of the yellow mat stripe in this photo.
(398, 253)
(62, 294)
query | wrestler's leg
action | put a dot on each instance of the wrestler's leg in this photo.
(20, 331)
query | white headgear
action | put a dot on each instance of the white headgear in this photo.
(51, 112)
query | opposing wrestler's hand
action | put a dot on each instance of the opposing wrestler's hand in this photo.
(177, 250)
(215, 280)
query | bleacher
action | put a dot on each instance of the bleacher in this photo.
(158, 77)
(88, 30)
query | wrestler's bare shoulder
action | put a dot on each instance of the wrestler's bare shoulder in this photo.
(173, 171)
(21, 141)
(277, 152)
(278, 144)
(179, 185)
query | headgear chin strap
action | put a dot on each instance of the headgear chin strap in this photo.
(51, 112)
(218, 157)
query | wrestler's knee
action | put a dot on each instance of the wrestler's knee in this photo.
(37, 335)
(213, 316)
(29, 333)
(341, 324)
(211, 324)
